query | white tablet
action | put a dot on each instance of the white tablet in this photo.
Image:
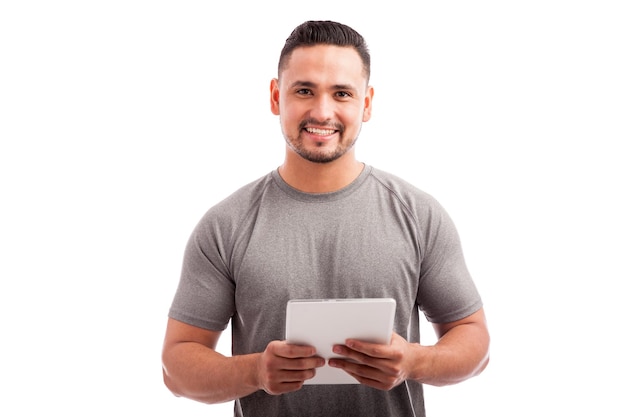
(324, 323)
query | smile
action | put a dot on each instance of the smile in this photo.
(321, 132)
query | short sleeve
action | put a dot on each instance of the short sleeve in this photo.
(446, 290)
(205, 294)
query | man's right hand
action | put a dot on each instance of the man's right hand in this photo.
(284, 367)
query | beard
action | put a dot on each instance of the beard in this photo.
(320, 155)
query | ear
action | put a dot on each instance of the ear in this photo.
(367, 110)
(274, 96)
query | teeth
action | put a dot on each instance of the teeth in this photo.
(322, 132)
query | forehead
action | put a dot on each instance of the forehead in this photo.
(318, 63)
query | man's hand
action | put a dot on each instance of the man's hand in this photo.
(284, 367)
(461, 352)
(380, 366)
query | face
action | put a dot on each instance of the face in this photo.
(322, 98)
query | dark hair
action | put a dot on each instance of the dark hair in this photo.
(313, 33)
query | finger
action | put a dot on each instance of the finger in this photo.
(357, 370)
(291, 351)
(352, 354)
(296, 375)
(278, 378)
(366, 375)
(373, 350)
(282, 387)
(302, 363)
(386, 361)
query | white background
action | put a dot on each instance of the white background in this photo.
(121, 122)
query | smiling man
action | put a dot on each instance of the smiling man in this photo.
(322, 97)
(323, 225)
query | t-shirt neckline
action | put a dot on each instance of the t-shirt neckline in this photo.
(318, 197)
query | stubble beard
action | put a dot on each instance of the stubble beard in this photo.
(320, 155)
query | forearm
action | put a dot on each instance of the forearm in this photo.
(194, 371)
(452, 359)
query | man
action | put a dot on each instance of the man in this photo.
(323, 225)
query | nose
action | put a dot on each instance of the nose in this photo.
(323, 108)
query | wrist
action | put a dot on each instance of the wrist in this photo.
(422, 360)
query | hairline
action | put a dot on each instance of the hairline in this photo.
(287, 58)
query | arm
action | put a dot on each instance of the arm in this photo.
(461, 352)
(193, 369)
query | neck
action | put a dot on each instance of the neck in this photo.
(312, 177)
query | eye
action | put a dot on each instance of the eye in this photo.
(343, 94)
(304, 92)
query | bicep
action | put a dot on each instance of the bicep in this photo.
(187, 357)
(476, 319)
(178, 332)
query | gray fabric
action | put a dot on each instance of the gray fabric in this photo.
(268, 243)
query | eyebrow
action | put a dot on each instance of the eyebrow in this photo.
(309, 84)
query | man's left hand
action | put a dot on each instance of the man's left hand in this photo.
(380, 366)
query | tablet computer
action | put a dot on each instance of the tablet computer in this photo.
(328, 322)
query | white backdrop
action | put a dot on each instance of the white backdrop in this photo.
(122, 122)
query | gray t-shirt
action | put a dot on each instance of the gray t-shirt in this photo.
(268, 243)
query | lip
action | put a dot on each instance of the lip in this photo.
(320, 133)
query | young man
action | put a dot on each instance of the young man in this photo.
(323, 225)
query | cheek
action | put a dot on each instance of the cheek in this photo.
(290, 116)
(353, 116)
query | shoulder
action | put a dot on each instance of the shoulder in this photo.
(408, 194)
(427, 214)
(232, 210)
(245, 196)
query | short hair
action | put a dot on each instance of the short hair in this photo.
(326, 32)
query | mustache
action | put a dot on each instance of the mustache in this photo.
(328, 125)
